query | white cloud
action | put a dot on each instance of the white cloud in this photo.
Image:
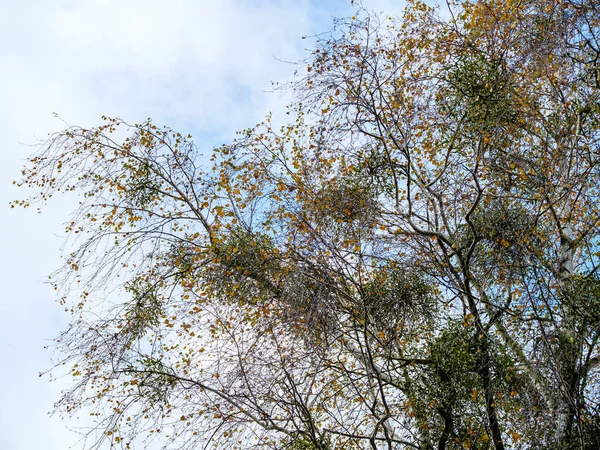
(200, 66)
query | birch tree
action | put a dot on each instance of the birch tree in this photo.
(410, 262)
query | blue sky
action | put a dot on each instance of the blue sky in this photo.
(202, 67)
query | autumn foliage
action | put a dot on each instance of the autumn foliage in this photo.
(411, 262)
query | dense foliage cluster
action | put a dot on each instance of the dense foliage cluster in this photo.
(411, 263)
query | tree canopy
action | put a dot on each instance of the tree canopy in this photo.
(411, 262)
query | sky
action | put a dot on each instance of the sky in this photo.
(203, 67)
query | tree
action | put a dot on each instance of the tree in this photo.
(411, 263)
